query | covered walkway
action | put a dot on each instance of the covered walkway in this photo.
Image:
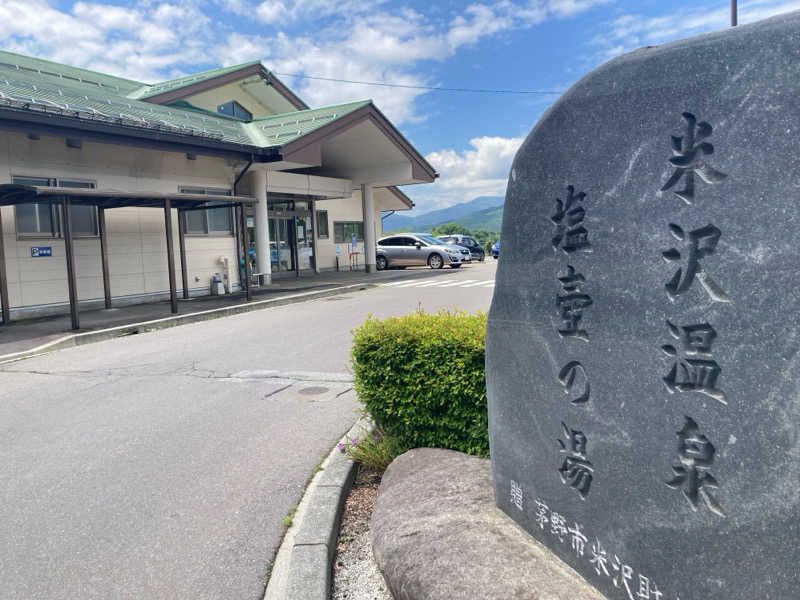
(14, 194)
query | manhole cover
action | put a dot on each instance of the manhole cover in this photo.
(313, 390)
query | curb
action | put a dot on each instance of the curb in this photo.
(80, 339)
(302, 569)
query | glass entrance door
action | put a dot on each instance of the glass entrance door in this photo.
(291, 233)
(282, 244)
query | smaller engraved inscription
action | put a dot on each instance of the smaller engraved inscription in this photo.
(693, 369)
(688, 158)
(542, 512)
(571, 234)
(695, 455)
(578, 540)
(623, 574)
(603, 562)
(576, 471)
(697, 244)
(567, 378)
(599, 558)
(647, 589)
(516, 495)
(572, 304)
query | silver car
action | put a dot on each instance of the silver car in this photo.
(408, 249)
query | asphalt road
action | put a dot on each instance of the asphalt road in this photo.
(161, 465)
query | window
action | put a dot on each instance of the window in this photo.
(44, 219)
(211, 221)
(235, 110)
(343, 231)
(322, 223)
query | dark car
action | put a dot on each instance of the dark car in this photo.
(468, 242)
(496, 249)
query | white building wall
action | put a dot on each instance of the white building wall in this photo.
(343, 209)
(136, 238)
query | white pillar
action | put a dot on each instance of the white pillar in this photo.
(262, 226)
(368, 208)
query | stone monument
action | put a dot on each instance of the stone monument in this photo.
(642, 347)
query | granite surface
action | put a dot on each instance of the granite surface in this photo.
(642, 345)
(437, 535)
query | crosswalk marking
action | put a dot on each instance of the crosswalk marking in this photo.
(459, 283)
(433, 283)
(412, 283)
(441, 283)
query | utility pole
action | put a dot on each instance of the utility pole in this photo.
(734, 16)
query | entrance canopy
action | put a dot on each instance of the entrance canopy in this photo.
(13, 194)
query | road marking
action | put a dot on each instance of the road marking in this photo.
(442, 283)
(392, 283)
(433, 283)
(411, 283)
(458, 283)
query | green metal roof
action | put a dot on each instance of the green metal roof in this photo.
(277, 130)
(37, 85)
(34, 85)
(155, 89)
(51, 70)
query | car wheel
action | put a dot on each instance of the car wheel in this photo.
(380, 263)
(494, 257)
(458, 266)
(435, 261)
(482, 258)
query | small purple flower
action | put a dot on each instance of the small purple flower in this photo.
(355, 442)
(341, 447)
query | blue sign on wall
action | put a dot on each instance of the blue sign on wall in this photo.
(39, 251)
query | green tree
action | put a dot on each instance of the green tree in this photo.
(449, 229)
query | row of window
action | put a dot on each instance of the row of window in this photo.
(44, 220)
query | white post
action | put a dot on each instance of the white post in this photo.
(262, 226)
(368, 208)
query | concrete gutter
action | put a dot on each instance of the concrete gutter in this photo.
(89, 337)
(303, 566)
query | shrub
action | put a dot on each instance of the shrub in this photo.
(421, 377)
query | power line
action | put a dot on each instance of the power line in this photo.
(418, 87)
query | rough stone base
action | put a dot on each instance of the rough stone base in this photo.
(437, 535)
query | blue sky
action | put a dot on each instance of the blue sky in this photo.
(471, 138)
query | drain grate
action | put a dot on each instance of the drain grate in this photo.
(314, 390)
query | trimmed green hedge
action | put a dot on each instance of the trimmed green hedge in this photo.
(421, 377)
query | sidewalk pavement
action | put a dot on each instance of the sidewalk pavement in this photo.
(25, 335)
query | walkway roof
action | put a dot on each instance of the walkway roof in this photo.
(12, 193)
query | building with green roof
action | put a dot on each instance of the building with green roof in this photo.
(313, 182)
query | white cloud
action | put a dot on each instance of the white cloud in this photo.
(631, 31)
(481, 170)
(382, 46)
(287, 11)
(149, 43)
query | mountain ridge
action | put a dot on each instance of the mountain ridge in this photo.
(451, 214)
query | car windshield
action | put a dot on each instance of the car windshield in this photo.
(429, 239)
